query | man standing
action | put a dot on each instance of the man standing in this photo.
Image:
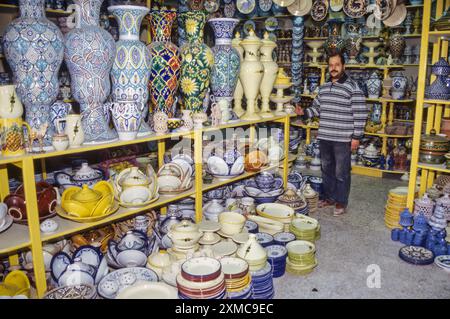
(341, 107)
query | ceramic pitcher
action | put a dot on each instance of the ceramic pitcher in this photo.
(12, 138)
(10, 105)
(73, 129)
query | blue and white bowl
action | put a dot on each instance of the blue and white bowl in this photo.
(284, 238)
(251, 227)
(264, 239)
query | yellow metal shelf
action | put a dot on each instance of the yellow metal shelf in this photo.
(307, 126)
(388, 135)
(356, 168)
(434, 167)
(443, 102)
(14, 239)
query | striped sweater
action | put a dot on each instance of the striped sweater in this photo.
(342, 111)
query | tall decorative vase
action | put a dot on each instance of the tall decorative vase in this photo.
(34, 49)
(239, 91)
(166, 62)
(270, 74)
(227, 62)
(374, 86)
(130, 72)
(89, 55)
(196, 62)
(397, 45)
(251, 74)
(335, 43)
(353, 41)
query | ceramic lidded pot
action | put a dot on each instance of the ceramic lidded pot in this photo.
(374, 86)
(196, 62)
(166, 62)
(85, 175)
(353, 41)
(253, 253)
(270, 74)
(292, 199)
(251, 74)
(46, 197)
(396, 45)
(34, 49)
(133, 186)
(433, 148)
(130, 72)
(185, 234)
(225, 71)
(89, 54)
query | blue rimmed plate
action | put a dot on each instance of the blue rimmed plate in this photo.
(271, 24)
(276, 251)
(251, 226)
(264, 239)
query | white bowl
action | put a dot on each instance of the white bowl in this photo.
(276, 211)
(217, 166)
(131, 258)
(232, 223)
(149, 290)
(135, 195)
(169, 183)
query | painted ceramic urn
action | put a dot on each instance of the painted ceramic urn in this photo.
(239, 91)
(89, 54)
(34, 49)
(374, 86)
(166, 62)
(196, 62)
(335, 43)
(353, 41)
(270, 74)
(397, 45)
(130, 72)
(251, 75)
(227, 62)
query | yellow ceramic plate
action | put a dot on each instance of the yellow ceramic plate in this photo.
(154, 199)
(61, 212)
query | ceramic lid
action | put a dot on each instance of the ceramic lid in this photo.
(185, 226)
(309, 191)
(290, 196)
(86, 195)
(433, 137)
(267, 42)
(134, 177)
(236, 40)
(251, 38)
(86, 172)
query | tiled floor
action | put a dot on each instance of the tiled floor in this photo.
(350, 244)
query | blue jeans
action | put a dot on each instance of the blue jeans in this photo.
(336, 168)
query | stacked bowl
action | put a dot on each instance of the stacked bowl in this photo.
(262, 281)
(277, 212)
(305, 228)
(237, 278)
(283, 238)
(264, 239)
(276, 256)
(396, 203)
(301, 258)
(201, 278)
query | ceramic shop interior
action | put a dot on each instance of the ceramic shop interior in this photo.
(172, 162)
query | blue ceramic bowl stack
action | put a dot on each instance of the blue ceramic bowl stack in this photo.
(262, 281)
(276, 256)
(264, 239)
(283, 238)
(251, 227)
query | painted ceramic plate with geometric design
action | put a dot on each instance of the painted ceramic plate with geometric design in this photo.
(319, 10)
(416, 255)
(355, 8)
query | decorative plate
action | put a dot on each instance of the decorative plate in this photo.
(200, 267)
(355, 8)
(229, 9)
(416, 255)
(116, 281)
(336, 5)
(262, 272)
(232, 266)
(264, 238)
(251, 226)
(273, 37)
(284, 237)
(397, 16)
(383, 9)
(224, 248)
(154, 199)
(300, 7)
(284, 3)
(72, 292)
(90, 219)
(265, 5)
(211, 5)
(245, 6)
(271, 24)
(443, 261)
(319, 10)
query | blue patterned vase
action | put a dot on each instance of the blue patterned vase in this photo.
(166, 62)
(130, 72)
(225, 71)
(34, 48)
(374, 86)
(89, 55)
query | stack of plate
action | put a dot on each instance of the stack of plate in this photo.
(262, 281)
(264, 239)
(237, 278)
(201, 278)
(276, 256)
(283, 238)
(301, 258)
(305, 228)
(395, 205)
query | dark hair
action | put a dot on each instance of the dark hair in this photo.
(339, 54)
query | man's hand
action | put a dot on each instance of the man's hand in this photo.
(355, 144)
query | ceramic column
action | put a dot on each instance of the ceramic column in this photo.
(298, 56)
(130, 72)
(89, 55)
(251, 74)
(270, 74)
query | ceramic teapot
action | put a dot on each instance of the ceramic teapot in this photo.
(85, 202)
(185, 234)
(133, 186)
(47, 197)
(171, 178)
(84, 176)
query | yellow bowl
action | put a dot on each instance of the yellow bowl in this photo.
(19, 279)
(103, 206)
(90, 219)
(75, 209)
(8, 289)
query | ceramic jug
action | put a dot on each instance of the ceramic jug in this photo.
(270, 74)
(252, 72)
(10, 105)
(12, 137)
(73, 129)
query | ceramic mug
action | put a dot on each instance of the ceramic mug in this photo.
(73, 129)
(12, 137)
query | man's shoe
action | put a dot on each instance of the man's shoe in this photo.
(325, 203)
(339, 210)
